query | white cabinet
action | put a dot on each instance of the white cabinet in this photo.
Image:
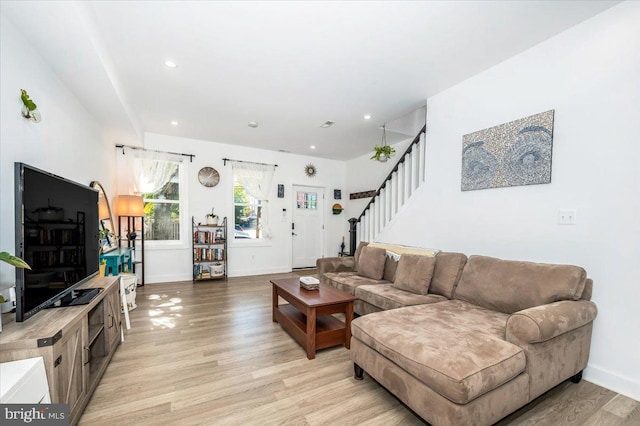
(24, 381)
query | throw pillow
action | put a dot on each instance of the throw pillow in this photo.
(371, 262)
(414, 273)
(390, 266)
(356, 256)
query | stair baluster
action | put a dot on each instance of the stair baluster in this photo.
(399, 185)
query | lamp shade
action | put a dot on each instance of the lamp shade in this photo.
(129, 205)
(103, 209)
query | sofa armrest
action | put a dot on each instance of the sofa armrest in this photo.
(545, 322)
(335, 264)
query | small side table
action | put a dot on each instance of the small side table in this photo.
(116, 260)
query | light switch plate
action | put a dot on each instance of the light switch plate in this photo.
(566, 217)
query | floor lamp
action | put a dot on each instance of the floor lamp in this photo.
(131, 207)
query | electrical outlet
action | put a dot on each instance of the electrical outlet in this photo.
(567, 217)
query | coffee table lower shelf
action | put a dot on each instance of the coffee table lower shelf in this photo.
(329, 331)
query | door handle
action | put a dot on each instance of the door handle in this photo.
(293, 233)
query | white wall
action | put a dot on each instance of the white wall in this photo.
(67, 142)
(590, 75)
(246, 257)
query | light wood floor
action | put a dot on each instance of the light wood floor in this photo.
(209, 354)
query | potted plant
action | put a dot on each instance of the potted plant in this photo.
(7, 305)
(382, 153)
(14, 261)
(211, 218)
(29, 110)
(106, 238)
(103, 267)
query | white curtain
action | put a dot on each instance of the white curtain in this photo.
(142, 172)
(256, 180)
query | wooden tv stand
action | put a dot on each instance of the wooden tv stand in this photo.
(76, 342)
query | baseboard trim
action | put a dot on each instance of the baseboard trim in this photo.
(612, 381)
(261, 271)
(159, 279)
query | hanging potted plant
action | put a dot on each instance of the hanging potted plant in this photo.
(211, 218)
(383, 151)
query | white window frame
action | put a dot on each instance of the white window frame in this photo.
(257, 205)
(243, 242)
(185, 240)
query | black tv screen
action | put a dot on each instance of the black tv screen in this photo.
(56, 234)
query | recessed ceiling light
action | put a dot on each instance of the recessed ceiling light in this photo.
(328, 123)
(170, 64)
(312, 147)
(252, 124)
(174, 123)
(367, 117)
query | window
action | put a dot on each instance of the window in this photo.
(160, 178)
(160, 185)
(307, 200)
(251, 191)
(247, 213)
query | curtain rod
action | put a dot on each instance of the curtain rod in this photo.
(154, 150)
(249, 162)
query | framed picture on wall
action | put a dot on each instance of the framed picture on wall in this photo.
(337, 194)
(280, 190)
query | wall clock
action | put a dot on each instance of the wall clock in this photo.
(208, 176)
(310, 170)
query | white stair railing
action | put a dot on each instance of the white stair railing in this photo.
(402, 182)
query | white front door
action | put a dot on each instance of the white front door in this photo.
(307, 225)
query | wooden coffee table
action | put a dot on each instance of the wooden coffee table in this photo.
(308, 317)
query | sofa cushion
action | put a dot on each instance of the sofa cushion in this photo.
(414, 273)
(386, 296)
(390, 266)
(356, 255)
(446, 273)
(371, 262)
(509, 286)
(348, 281)
(455, 348)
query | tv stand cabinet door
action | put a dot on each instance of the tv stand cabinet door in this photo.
(113, 318)
(70, 374)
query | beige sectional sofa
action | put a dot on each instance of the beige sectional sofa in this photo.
(486, 338)
(376, 289)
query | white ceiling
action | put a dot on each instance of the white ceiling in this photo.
(290, 66)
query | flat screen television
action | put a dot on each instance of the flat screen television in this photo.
(56, 234)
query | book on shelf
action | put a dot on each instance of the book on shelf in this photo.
(203, 254)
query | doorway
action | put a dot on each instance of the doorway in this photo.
(307, 226)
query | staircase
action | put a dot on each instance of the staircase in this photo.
(399, 185)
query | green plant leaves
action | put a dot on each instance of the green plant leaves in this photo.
(26, 101)
(14, 261)
(386, 150)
